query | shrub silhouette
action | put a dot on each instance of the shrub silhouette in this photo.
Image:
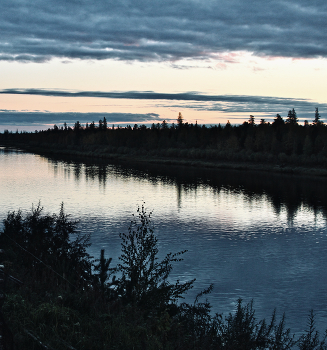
(138, 309)
(144, 279)
(38, 240)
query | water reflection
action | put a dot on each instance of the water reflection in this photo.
(254, 235)
(284, 192)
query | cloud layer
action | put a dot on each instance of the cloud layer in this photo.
(16, 118)
(236, 104)
(160, 30)
(196, 100)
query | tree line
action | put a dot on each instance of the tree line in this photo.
(281, 141)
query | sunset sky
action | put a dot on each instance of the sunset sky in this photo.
(145, 61)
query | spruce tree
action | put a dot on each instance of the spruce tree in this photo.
(180, 120)
(278, 120)
(317, 120)
(292, 117)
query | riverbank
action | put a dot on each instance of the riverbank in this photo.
(279, 147)
(130, 155)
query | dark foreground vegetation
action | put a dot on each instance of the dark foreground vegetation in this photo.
(69, 301)
(282, 142)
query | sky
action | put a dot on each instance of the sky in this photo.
(142, 61)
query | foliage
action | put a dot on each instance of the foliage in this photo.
(310, 339)
(136, 309)
(242, 331)
(38, 240)
(103, 270)
(250, 142)
(144, 280)
(292, 117)
(316, 121)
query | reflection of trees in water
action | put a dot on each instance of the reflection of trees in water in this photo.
(97, 172)
(10, 150)
(179, 195)
(77, 171)
(287, 192)
(91, 171)
(284, 192)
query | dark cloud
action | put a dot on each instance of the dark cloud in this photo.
(226, 103)
(157, 30)
(150, 95)
(43, 118)
(235, 104)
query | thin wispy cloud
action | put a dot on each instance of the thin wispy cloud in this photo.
(151, 95)
(236, 104)
(223, 103)
(153, 30)
(46, 118)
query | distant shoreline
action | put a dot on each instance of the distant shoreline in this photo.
(132, 155)
(283, 147)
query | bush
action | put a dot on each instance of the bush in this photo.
(136, 309)
(37, 240)
(144, 280)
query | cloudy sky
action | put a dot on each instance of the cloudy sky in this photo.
(142, 61)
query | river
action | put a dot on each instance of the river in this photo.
(254, 236)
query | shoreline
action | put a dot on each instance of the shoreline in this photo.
(133, 156)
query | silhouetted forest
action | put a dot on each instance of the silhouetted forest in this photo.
(284, 141)
(67, 300)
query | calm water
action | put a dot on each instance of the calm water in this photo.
(253, 235)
